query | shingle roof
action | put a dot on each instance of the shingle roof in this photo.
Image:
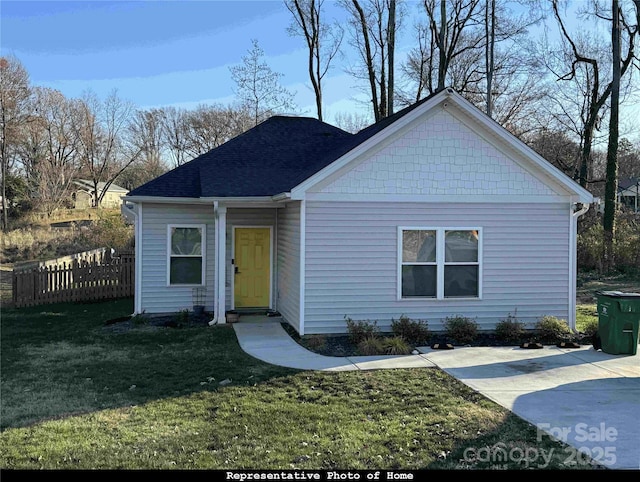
(272, 158)
(627, 182)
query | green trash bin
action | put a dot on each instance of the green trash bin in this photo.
(618, 322)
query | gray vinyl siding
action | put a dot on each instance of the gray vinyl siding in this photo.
(238, 217)
(288, 259)
(156, 296)
(351, 264)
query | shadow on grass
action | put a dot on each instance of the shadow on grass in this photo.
(515, 444)
(63, 359)
(203, 403)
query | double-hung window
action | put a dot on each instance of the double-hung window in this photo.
(439, 262)
(185, 246)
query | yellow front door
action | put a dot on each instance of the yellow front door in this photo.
(252, 258)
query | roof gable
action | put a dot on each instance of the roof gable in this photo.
(441, 156)
(87, 185)
(537, 174)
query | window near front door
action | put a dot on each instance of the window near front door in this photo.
(186, 255)
(439, 263)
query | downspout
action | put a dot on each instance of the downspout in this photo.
(573, 264)
(216, 249)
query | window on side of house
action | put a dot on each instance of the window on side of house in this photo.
(439, 263)
(185, 264)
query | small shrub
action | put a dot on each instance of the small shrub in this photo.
(552, 329)
(316, 342)
(461, 329)
(510, 329)
(396, 345)
(140, 319)
(590, 328)
(413, 331)
(361, 329)
(371, 345)
(182, 317)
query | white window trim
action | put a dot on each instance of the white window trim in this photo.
(203, 244)
(440, 262)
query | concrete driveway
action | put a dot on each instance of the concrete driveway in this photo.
(586, 398)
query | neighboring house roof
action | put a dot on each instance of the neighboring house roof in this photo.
(283, 153)
(87, 185)
(627, 183)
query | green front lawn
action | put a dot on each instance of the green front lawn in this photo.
(77, 394)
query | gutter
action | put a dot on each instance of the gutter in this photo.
(585, 208)
(283, 196)
(197, 200)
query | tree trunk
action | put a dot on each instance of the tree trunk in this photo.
(368, 59)
(442, 64)
(585, 156)
(611, 186)
(5, 217)
(391, 45)
(490, 31)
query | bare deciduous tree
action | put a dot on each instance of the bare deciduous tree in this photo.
(588, 62)
(258, 87)
(611, 185)
(448, 28)
(323, 41)
(375, 25)
(14, 93)
(51, 157)
(146, 133)
(351, 121)
(210, 126)
(105, 150)
(174, 131)
(597, 92)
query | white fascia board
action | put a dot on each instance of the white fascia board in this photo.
(298, 192)
(538, 161)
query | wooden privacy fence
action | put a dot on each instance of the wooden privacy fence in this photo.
(98, 277)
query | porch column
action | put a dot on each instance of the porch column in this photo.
(221, 265)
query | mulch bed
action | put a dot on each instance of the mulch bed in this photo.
(176, 320)
(340, 345)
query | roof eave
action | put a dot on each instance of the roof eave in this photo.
(207, 200)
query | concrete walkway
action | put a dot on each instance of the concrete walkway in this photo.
(266, 340)
(586, 398)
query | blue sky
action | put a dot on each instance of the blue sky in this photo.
(158, 53)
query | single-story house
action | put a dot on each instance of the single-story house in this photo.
(83, 196)
(629, 194)
(433, 212)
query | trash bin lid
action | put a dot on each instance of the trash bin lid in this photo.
(619, 294)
